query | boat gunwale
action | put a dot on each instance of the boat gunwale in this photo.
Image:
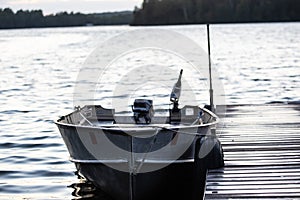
(141, 127)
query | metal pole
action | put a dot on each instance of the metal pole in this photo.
(211, 92)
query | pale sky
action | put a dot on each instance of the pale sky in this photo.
(84, 6)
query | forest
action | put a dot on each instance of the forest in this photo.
(36, 19)
(165, 12)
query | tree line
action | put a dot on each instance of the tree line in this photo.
(163, 12)
(36, 19)
(160, 12)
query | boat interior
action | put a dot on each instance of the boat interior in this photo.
(96, 115)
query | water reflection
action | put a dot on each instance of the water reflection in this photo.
(86, 190)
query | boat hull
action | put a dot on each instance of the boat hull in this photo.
(159, 177)
(176, 181)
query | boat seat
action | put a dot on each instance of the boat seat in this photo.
(187, 114)
(97, 112)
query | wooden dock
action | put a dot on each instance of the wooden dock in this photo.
(262, 154)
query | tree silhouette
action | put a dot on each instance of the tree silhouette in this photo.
(155, 12)
(36, 18)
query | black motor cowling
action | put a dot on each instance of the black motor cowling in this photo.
(142, 109)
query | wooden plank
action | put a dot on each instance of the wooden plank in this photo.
(262, 195)
(254, 187)
(244, 179)
(262, 154)
(261, 175)
(254, 182)
(257, 191)
(264, 157)
(250, 170)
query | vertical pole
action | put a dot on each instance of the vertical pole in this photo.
(211, 92)
(131, 171)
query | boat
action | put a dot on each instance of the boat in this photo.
(143, 155)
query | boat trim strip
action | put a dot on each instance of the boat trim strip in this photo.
(98, 161)
(118, 161)
(165, 161)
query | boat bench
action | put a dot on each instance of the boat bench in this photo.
(98, 113)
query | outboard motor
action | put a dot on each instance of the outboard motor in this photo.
(142, 108)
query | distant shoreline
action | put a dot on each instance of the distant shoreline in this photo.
(188, 12)
(217, 23)
(36, 19)
(158, 12)
(229, 23)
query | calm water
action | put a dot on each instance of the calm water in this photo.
(258, 63)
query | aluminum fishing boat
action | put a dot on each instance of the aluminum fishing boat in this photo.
(142, 155)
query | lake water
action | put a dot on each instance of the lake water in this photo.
(257, 64)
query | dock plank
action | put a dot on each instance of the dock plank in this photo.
(261, 146)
